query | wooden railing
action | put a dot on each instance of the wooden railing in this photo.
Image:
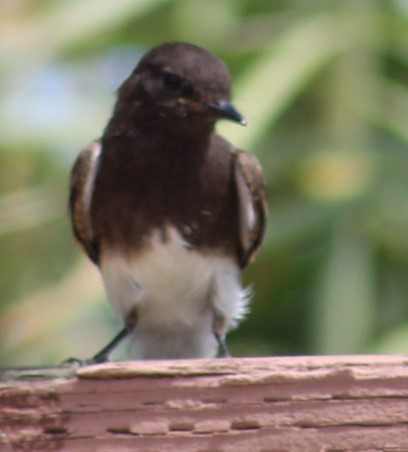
(308, 403)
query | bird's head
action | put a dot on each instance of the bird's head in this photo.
(181, 84)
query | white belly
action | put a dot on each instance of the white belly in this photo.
(181, 297)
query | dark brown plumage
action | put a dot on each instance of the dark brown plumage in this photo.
(161, 176)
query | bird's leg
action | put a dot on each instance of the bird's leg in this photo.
(103, 355)
(224, 352)
(219, 331)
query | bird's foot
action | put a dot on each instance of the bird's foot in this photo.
(76, 362)
(103, 355)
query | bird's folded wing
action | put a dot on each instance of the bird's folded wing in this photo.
(252, 205)
(81, 190)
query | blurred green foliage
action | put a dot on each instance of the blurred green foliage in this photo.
(323, 85)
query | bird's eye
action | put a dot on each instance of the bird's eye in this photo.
(172, 82)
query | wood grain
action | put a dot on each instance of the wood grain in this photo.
(237, 404)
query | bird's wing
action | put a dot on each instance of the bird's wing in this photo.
(81, 190)
(252, 205)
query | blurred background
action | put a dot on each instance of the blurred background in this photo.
(323, 85)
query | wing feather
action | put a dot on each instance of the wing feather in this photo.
(81, 190)
(252, 205)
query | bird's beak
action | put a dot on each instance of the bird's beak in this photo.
(225, 109)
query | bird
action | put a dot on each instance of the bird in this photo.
(168, 210)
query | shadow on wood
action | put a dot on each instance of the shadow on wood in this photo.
(249, 404)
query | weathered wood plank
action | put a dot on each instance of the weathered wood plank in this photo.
(248, 404)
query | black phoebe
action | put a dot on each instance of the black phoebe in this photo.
(168, 210)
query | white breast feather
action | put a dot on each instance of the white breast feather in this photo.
(177, 291)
